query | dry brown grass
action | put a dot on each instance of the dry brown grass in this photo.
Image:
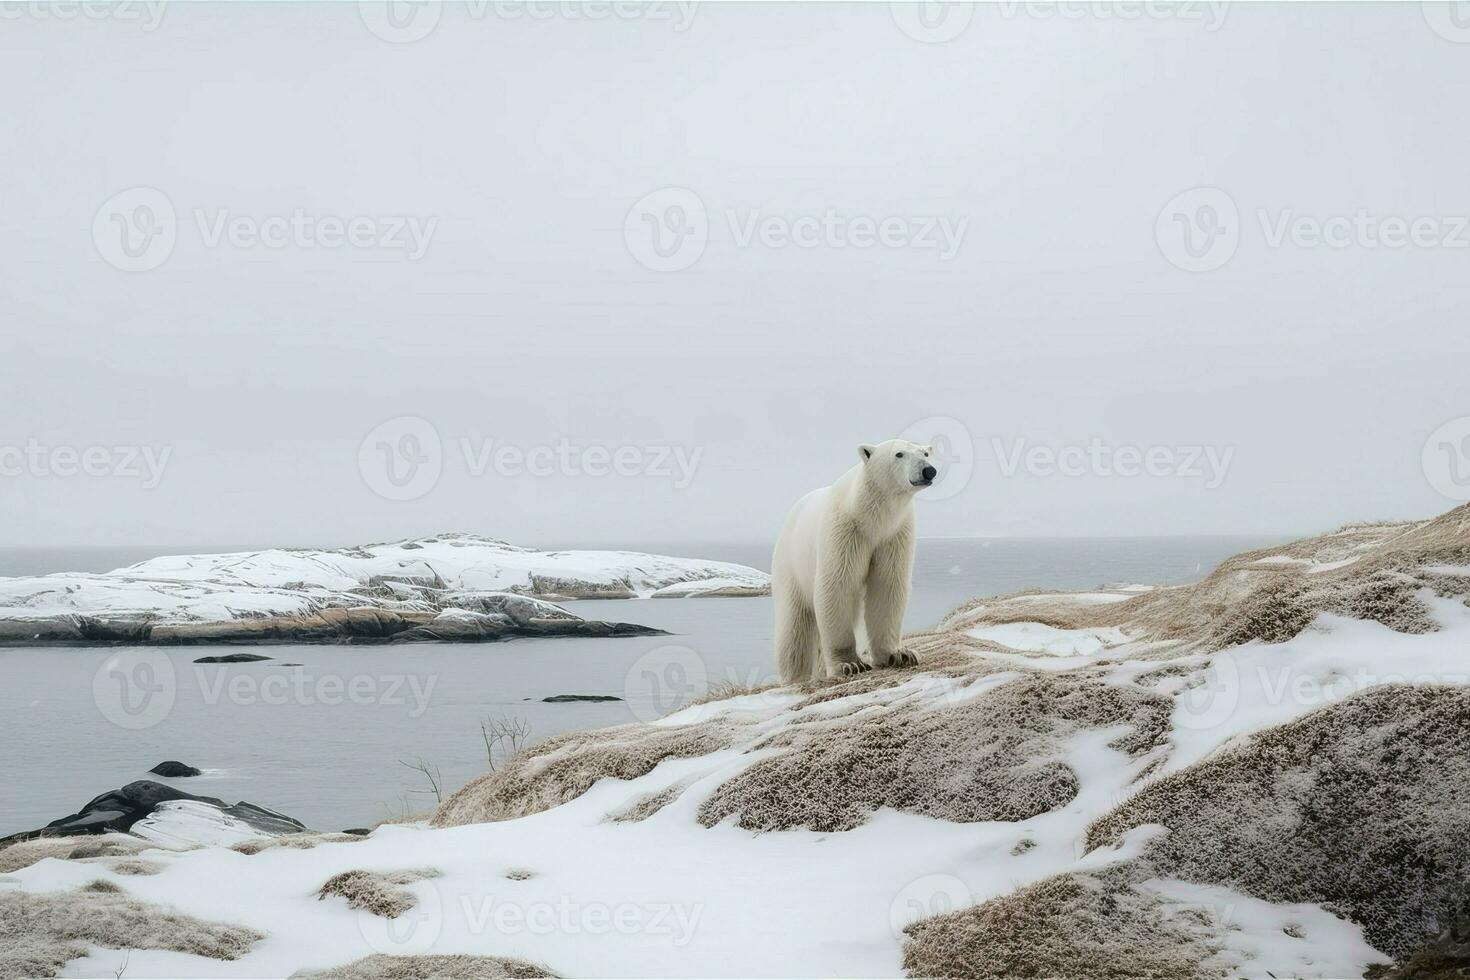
(998, 757)
(1379, 575)
(646, 805)
(1363, 806)
(454, 967)
(563, 768)
(41, 932)
(378, 892)
(1077, 926)
(23, 854)
(300, 842)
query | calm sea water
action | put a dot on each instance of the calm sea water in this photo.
(332, 741)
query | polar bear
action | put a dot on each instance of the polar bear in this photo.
(846, 551)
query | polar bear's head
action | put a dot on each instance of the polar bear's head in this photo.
(898, 466)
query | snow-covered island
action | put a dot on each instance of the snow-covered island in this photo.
(449, 587)
(1263, 774)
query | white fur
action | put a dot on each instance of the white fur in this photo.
(846, 553)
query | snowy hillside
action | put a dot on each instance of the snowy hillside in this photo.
(371, 592)
(1264, 774)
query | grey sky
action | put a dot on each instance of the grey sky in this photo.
(518, 145)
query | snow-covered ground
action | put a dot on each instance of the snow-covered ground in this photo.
(669, 897)
(677, 894)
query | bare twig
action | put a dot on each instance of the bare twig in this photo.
(505, 736)
(431, 773)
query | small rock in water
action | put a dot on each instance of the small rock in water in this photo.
(563, 698)
(174, 769)
(232, 658)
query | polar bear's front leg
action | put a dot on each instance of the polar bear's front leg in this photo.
(887, 598)
(840, 570)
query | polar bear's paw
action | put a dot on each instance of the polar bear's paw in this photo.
(898, 658)
(849, 668)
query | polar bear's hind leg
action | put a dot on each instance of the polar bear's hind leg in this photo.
(797, 656)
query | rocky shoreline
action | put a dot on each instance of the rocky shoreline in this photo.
(346, 626)
(446, 589)
(127, 809)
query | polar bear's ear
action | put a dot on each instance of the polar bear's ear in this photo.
(865, 452)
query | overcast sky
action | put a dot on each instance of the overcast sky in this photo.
(316, 275)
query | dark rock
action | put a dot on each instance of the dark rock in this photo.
(564, 698)
(174, 770)
(231, 658)
(489, 627)
(119, 809)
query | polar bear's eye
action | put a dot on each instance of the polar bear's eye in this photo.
(898, 455)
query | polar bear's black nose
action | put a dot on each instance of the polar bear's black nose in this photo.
(929, 472)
